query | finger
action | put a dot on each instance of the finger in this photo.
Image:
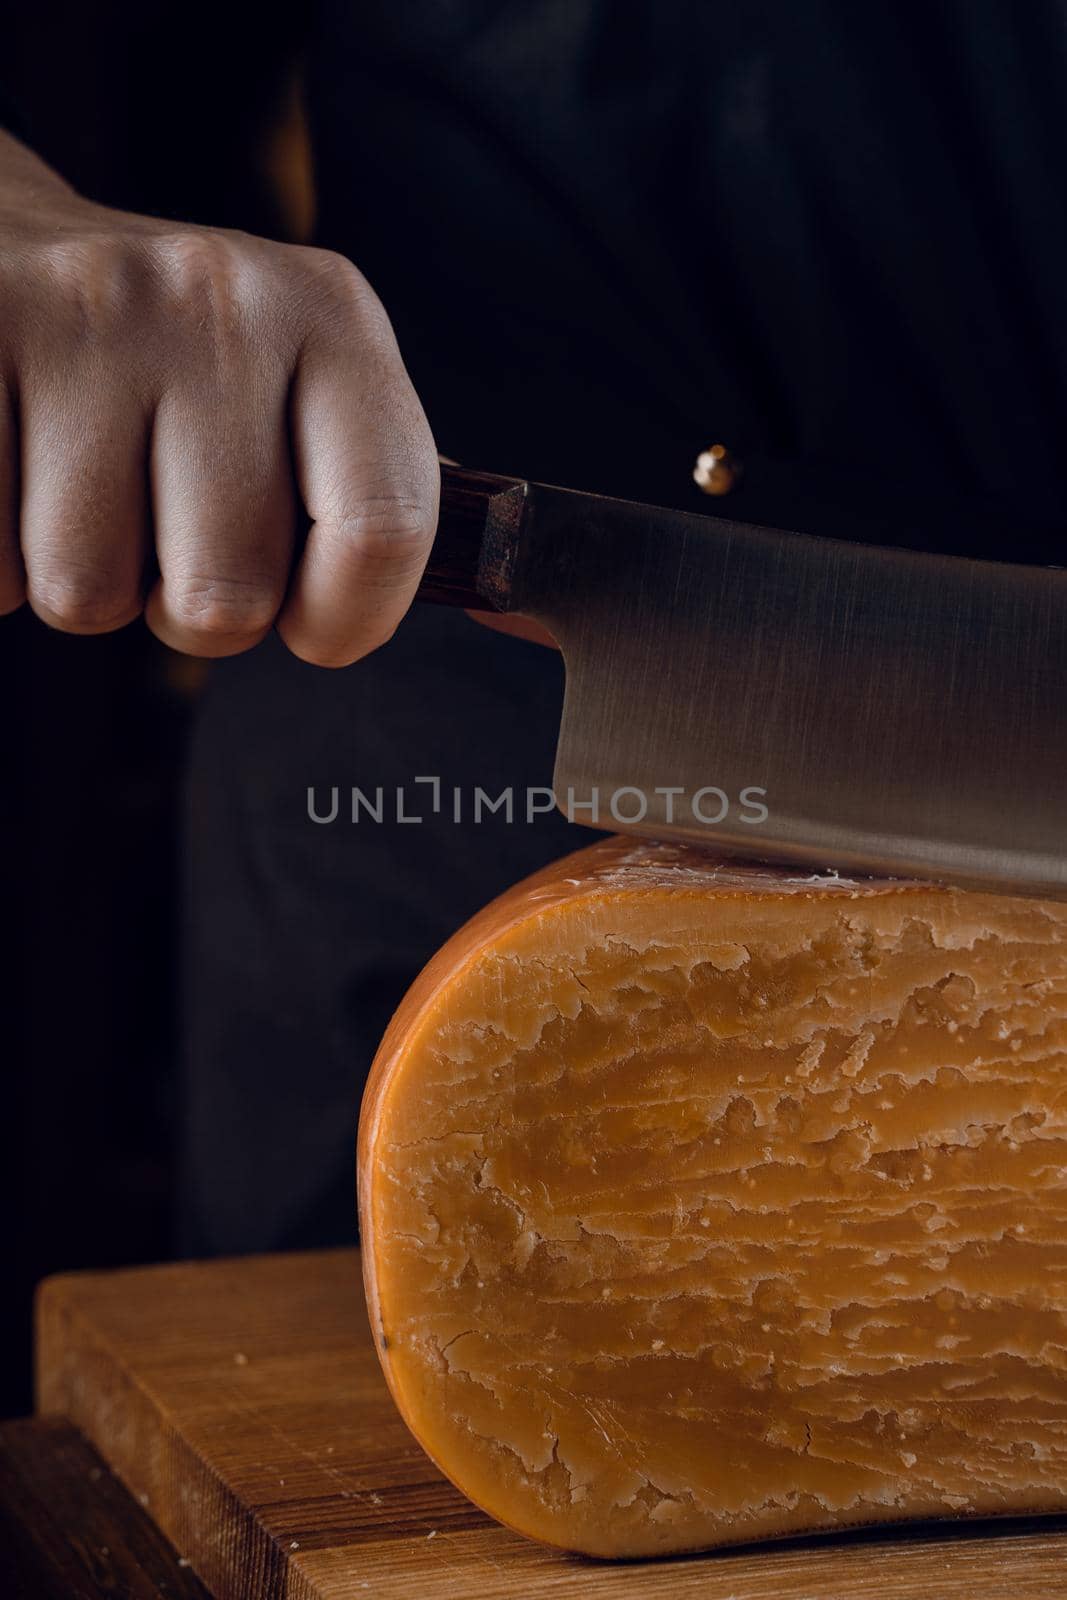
(518, 626)
(368, 473)
(12, 574)
(83, 500)
(224, 511)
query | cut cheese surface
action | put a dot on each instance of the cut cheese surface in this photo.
(704, 1203)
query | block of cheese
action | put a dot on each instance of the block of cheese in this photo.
(705, 1203)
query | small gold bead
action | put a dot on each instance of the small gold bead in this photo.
(716, 471)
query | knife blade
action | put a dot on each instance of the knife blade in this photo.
(783, 696)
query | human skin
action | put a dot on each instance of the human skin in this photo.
(200, 396)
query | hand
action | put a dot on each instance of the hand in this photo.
(207, 394)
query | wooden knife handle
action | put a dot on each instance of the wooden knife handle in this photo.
(479, 534)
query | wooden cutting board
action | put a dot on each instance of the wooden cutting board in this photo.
(242, 1403)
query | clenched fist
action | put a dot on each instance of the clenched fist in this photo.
(203, 395)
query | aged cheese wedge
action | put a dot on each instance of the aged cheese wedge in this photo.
(705, 1203)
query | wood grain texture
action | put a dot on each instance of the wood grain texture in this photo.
(70, 1531)
(243, 1405)
(479, 533)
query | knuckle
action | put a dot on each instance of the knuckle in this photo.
(81, 600)
(221, 608)
(390, 530)
(192, 258)
(209, 281)
(94, 277)
(336, 285)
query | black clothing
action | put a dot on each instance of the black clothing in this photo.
(833, 236)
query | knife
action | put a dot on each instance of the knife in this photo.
(783, 696)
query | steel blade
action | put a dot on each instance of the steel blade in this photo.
(901, 712)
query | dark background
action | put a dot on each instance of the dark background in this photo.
(92, 731)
